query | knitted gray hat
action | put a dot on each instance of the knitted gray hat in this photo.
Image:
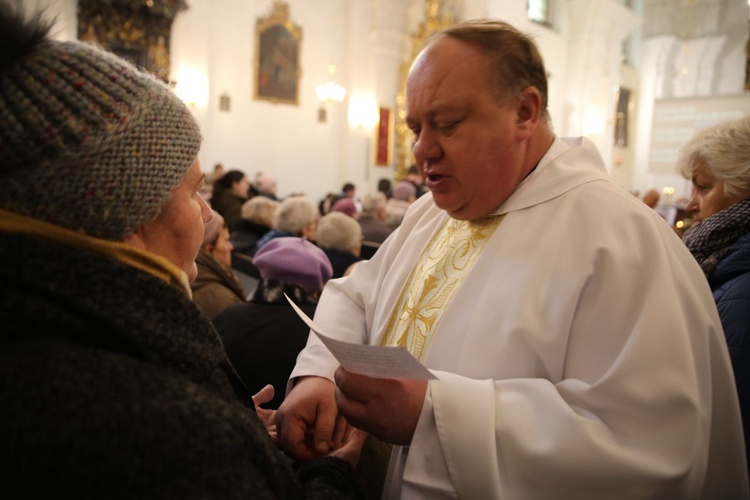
(87, 141)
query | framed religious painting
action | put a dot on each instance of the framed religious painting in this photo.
(277, 57)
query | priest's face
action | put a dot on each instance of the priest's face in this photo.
(466, 143)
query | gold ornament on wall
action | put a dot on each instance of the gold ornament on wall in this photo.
(435, 20)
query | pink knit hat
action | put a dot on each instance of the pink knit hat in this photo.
(294, 260)
(346, 206)
(404, 190)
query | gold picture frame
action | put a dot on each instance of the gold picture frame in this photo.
(278, 44)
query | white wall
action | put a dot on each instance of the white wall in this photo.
(708, 58)
(363, 38)
(214, 41)
(218, 38)
(64, 12)
(367, 40)
(549, 40)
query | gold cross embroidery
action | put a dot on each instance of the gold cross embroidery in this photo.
(437, 275)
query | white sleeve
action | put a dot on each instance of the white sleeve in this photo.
(344, 312)
(633, 412)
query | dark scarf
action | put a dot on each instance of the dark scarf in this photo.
(712, 239)
(272, 292)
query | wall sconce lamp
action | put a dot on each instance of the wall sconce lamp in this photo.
(329, 92)
(363, 112)
(192, 87)
(363, 116)
(668, 192)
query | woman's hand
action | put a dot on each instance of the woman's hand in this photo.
(266, 416)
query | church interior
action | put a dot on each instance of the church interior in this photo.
(312, 92)
(526, 329)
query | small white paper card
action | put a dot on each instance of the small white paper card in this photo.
(371, 360)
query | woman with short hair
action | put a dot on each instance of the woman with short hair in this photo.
(717, 160)
(216, 287)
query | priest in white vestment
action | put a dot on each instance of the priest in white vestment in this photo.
(576, 344)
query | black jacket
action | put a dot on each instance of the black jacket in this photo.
(340, 261)
(263, 341)
(245, 234)
(114, 385)
(730, 283)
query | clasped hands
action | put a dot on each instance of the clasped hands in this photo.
(319, 418)
(265, 415)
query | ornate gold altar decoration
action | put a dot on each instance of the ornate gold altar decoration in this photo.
(435, 21)
(137, 30)
(278, 44)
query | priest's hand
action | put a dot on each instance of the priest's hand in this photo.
(386, 408)
(308, 418)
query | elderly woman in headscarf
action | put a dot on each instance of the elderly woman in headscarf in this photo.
(717, 160)
(216, 287)
(113, 383)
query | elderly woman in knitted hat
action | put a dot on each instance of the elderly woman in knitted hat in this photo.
(216, 286)
(113, 383)
(264, 336)
(717, 160)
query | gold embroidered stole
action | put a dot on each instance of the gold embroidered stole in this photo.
(433, 282)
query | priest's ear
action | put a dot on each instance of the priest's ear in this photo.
(529, 111)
